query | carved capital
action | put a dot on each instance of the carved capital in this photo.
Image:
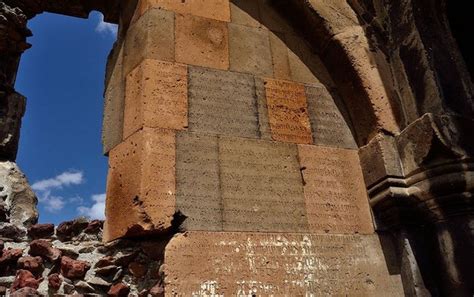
(425, 174)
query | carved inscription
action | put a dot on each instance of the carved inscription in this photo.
(329, 126)
(244, 264)
(222, 103)
(197, 178)
(335, 195)
(287, 111)
(141, 184)
(261, 186)
(156, 96)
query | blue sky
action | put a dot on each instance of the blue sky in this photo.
(62, 76)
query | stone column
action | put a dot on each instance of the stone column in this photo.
(420, 185)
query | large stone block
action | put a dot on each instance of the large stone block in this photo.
(335, 194)
(141, 185)
(150, 37)
(380, 159)
(197, 179)
(261, 186)
(250, 50)
(114, 101)
(244, 12)
(222, 102)
(328, 125)
(202, 42)
(212, 9)
(156, 97)
(288, 111)
(280, 60)
(305, 64)
(275, 264)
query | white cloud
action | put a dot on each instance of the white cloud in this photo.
(54, 203)
(51, 203)
(97, 210)
(64, 179)
(105, 28)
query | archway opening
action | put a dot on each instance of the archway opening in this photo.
(60, 151)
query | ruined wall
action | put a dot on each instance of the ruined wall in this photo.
(233, 135)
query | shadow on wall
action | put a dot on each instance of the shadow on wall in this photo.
(296, 60)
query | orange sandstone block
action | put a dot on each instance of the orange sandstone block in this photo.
(334, 190)
(202, 42)
(156, 96)
(288, 111)
(141, 184)
(212, 9)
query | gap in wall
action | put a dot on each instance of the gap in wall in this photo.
(60, 149)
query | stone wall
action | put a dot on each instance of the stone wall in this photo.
(233, 135)
(72, 260)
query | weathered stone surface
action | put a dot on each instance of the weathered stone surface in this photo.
(197, 180)
(305, 64)
(69, 229)
(156, 97)
(238, 184)
(8, 260)
(12, 232)
(54, 281)
(222, 103)
(41, 231)
(151, 37)
(202, 42)
(12, 108)
(245, 12)
(158, 290)
(250, 50)
(44, 249)
(328, 125)
(18, 196)
(32, 264)
(114, 100)
(335, 196)
(94, 227)
(261, 186)
(380, 158)
(105, 261)
(73, 269)
(288, 111)
(214, 9)
(277, 264)
(119, 290)
(26, 291)
(24, 278)
(280, 60)
(141, 184)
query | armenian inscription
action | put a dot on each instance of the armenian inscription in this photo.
(261, 186)
(222, 102)
(288, 111)
(265, 264)
(336, 200)
(328, 125)
(156, 97)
